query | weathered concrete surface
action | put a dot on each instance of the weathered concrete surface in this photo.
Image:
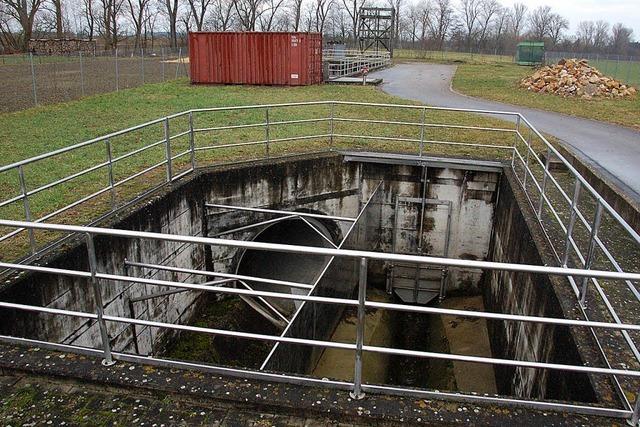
(613, 151)
(517, 239)
(178, 391)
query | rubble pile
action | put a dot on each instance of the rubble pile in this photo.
(576, 78)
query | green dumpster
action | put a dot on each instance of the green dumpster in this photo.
(530, 53)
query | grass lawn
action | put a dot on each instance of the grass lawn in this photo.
(449, 57)
(500, 82)
(39, 130)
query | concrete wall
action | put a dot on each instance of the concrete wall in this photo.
(532, 295)
(472, 196)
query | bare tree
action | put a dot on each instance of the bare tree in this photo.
(248, 12)
(171, 11)
(296, 8)
(108, 26)
(57, 13)
(268, 14)
(199, 11)
(601, 35)
(442, 21)
(470, 12)
(621, 37)
(137, 14)
(397, 6)
(557, 25)
(322, 11)
(500, 27)
(221, 17)
(518, 19)
(88, 15)
(586, 34)
(353, 9)
(540, 22)
(425, 12)
(488, 10)
(23, 12)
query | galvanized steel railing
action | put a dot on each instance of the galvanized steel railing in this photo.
(560, 215)
(346, 63)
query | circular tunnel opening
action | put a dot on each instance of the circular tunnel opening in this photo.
(289, 267)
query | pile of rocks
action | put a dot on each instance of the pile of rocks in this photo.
(575, 78)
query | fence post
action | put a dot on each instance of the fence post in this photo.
(33, 80)
(572, 222)
(588, 262)
(526, 165)
(424, 115)
(27, 208)
(162, 62)
(95, 283)
(142, 64)
(544, 183)
(110, 173)
(192, 145)
(357, 393)
(117, 73)
(266, 131)
(179, 60)
(81, 75)
(167, 143)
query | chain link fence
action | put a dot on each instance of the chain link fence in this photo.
(621, 67)
(30, 80)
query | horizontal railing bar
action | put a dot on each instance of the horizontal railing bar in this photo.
(138, 150)
(263, 142)
(330, 344)
(279, 377)
(218, 274)
(426, 141)
(136, 175)
(583, 181)
(187, 151)
(72, 205)
(279, 212)
(67, 178)
(262, 124)
(349, 253)
(179, 135)
(419, 124)
(89, 142)
(504, 362)
(11, 200)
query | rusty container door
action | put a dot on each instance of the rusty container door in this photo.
(256, 58)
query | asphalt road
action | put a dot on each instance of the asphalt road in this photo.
(613, 150)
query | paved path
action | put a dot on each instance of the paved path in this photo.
(613, 150)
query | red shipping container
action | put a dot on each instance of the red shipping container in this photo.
(253, 58)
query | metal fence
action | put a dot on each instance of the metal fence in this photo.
(30, 80)
(346, 63)
(588, 251)
(622, 67)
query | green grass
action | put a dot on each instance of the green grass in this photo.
(624, 70)
(39, 130)
(500, 82)
(449, 57)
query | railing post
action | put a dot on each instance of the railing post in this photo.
(27, 208)
(95, 283)
(357, 393)
(572, 222)
(544, 183)
(266, 130)
(192, 145)
(588, 262)
(110, 173)
(526, 165)
(331, 123)
(515, 145)
(33, 80)
(424, 115)
(635, 416)
(167, 143)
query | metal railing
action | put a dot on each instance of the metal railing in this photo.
(346, 63)
(579, 245)
(99, 279)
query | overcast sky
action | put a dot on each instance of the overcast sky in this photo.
(625, 11)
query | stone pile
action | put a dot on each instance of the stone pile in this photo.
(576, 78)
